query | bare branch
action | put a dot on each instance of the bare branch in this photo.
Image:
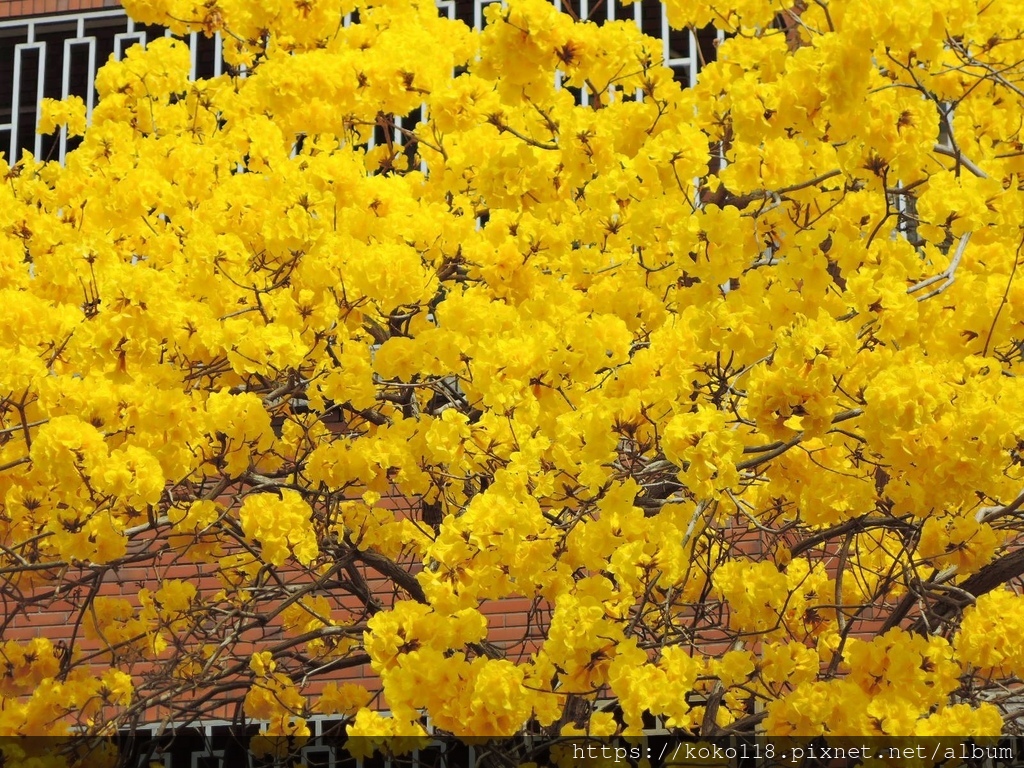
(947, 276)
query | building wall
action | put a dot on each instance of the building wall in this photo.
(16, 8)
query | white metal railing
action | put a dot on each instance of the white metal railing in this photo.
(213, 736)
(58, 42)
(72, 32)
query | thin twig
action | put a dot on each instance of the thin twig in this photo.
(947, 276)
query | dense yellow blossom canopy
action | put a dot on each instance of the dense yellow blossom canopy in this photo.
(720, 380)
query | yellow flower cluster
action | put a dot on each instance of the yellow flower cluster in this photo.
(395, 324)
(898, 684)
(281, 526)
(36, 700)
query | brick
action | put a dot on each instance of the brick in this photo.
(521, 623)
(46, 623)
(22, 634)
(506, 635)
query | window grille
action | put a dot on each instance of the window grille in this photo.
(58, 56)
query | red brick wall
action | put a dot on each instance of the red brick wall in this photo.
(11, 8)
(516, 624)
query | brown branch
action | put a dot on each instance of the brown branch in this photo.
(387, 567)
(993, 575)
(857, 525)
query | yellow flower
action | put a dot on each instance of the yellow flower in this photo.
(70, 112)
(281, 526)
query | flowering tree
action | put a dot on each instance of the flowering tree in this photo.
(721, 382)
